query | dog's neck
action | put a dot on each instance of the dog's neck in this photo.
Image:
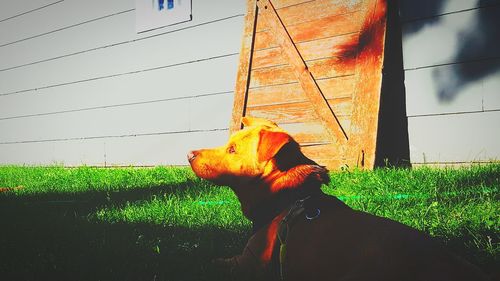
(262, 214)
(270, 195)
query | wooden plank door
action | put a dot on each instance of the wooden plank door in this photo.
(315, 68)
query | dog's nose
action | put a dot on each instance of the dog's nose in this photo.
(192, 155)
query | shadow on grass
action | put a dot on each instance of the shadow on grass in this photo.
(50, 237)
(99, 197)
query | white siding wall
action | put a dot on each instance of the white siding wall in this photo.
(79, 86)
(452, 74)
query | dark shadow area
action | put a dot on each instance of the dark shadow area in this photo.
(393, 148)
(93, 199)
(413, 10)
(478, 42)
(43, 240)
(53, 241)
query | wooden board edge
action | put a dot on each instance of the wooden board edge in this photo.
(244, 67)
(366, 96)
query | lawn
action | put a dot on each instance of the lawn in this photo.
(165, 224)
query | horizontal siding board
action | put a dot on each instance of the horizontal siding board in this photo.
(10, 9)
(454, 138)
(85, 37)
(211, 112)
(138, 151)
(168, 116)
(70, 153)
(160, 150)
(414, 10)
(64, 14)
(436, 90)
(202, 78)
(137, 56)
(491, 88)
(453, 32)
(109, 31)
(163, 117)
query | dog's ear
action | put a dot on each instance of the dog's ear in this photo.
(253, 121)
(270, 143)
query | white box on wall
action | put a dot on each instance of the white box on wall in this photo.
(153, 14)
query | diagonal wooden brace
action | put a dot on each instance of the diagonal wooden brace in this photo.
(321, 107)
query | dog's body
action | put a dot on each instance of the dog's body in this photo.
(326, 240)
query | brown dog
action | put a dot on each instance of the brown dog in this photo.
(320, 238)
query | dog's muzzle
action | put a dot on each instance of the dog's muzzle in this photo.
(192, 155)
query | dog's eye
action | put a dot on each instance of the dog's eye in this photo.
(231, 149)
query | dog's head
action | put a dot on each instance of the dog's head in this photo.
(262, 155)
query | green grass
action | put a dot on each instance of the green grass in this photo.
(166, 224)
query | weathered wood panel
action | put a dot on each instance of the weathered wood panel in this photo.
(338, 87)
(244, 67)
(315, 29)
(320, 62)
(322, 151)
(311, 50)
(336, 164)
(320, 69)
(370, 60)
(298, 112)
(296, 14)
(322, 110)
(311, 132)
